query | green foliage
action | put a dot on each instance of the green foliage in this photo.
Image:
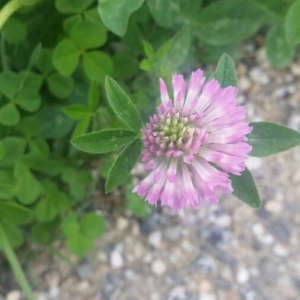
(292, 24)
(54, 88)
(270, 138)
(226, 22)
(104, 141)
(225, 71)
(122, 105)
(115, 14)
(279, 52)
(245, 189)
(123, 165)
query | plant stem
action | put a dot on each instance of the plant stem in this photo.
(11, 7)
(15, 265)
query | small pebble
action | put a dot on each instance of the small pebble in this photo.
(242, 275)
(254, 163)
(274, 206)
(122, 223)
(279, 250)
(158, 267)
(14, 295)
(258, 75)
(207, 296)
(116, 259)
(155, 238)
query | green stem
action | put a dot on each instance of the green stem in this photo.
(15, 265)
(11, 7)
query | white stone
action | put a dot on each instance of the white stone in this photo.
(53, 293)
(295, 69)
(14, 295)
(207, 296)
(158, 267)
(116, 259)
(205, 286)
(242, 275)
(279, 250)
(267, 239)
(177, 292)
(258, 75)
(253, 163)
(258, 229)
(122, 223)
(154, 239)
(274, 206)
(42, 296)
(244, 83)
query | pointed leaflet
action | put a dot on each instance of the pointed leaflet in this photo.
(269, 138)
(122, 105)
(245, 189)
(292, 24)
(115, 14)
(104, 141)
(123, 165)
(225, 71)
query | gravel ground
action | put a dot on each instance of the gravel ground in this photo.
(227, 251)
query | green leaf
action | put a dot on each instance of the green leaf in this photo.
(88, 34)
(14, 30)
(77, 112)
(8, 185)
(29, 100)
(122, 105)
(115, 14)
(104, 141)
(225, 71)
(269, 138)
(9, 115)
(46, 210)
(65, 57)
(9, 84)
(54, 123)
(13, 234)
(2, 151)
(228, 22)
(138, 207)
(126, 65)
(97, 65)
(279, 52)
(92, 225)
(70, 225)
(29, 187)
(72, 6)
(94, 96)
(81, 127)
(60, 86)
(47, 166)
(44, 62)
(14, 148)
(70, 22)
(41, 233)
(166, 14)
(29, 126)
(292, 24)
(148, 49)
(123, 165)
(179, 49)
(245, 189)
(15, 213)
(276, 9)
(79, 244)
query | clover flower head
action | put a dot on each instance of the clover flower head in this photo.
(193, 142)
